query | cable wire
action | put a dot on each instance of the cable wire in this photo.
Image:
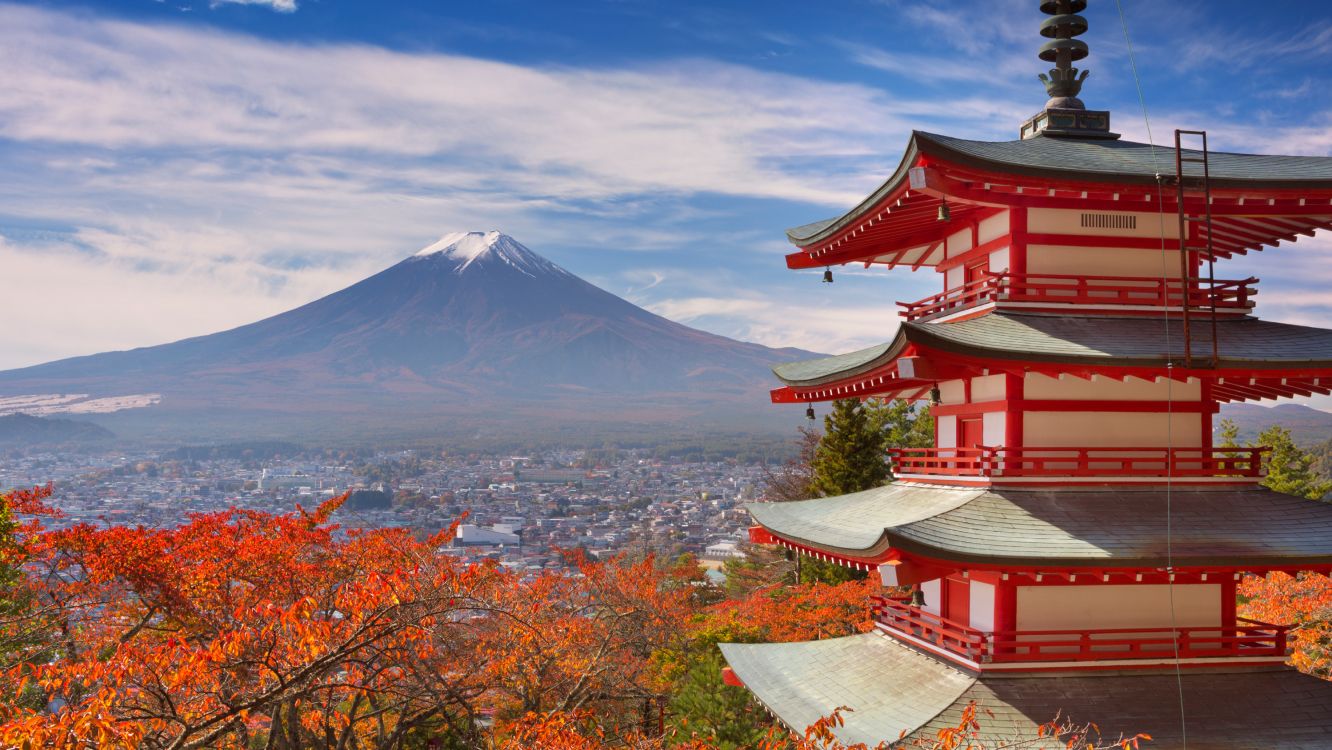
(1170, 379)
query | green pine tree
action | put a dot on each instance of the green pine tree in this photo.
(850, 456)
(704, 707)
(1290, 468)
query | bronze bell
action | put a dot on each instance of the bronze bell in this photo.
(809, 413)
(827, 276)
(944, 213)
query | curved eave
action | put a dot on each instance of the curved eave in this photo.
(803, 682)
(1246, 345)
(818, 231)
(1087, 528)
(1045, 160)
(813, 372)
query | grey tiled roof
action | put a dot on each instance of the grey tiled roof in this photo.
(1122, 526)
(1273, 709)
(890, 687)
(1127, 161)
(1029, 337)
(1126, 341)
(856, 522)
(810, 371)
(803, 682)
(1095, 160)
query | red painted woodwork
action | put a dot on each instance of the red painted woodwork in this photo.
(731, 678)
(947, 634)
(970, 432)
(1244, 639)
(1227, 295)
(957, 599)
(1079, 462)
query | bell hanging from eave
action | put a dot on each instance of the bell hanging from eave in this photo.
(827, 275)
(944, 213)
(809, 412)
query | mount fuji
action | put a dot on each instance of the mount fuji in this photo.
(473, 334)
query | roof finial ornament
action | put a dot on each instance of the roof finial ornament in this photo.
(1064, 115)
(1064, 82)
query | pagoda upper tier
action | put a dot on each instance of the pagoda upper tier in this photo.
(1256, 200)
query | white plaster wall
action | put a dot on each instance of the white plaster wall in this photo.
(999, 260)
(954, 277)
(933, 591)
(959, 242)
(987, 388)
(1088, 429)
(952, 392)
(1117, 606)
(1101, 261)
(1069, 221)
(982, 606)
(994, 227)
(1044, 387)
(992, 428)
(947, 427)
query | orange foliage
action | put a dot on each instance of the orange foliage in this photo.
(803, 612)
(1305, 603)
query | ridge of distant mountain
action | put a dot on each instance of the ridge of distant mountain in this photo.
(472, 332)
(1307, 426)
(27, 430)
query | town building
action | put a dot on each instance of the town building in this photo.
(1073, 540)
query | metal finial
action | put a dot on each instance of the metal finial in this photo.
(1065, 81)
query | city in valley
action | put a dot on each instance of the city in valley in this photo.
(520, 510)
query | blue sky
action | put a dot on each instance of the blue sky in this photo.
(174, 168)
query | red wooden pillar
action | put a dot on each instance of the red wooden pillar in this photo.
(1017, 231)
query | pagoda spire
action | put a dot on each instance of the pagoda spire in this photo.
(1064, 82)
(1065, 114)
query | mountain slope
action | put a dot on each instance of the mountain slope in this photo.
(1307, 426)
(470, 326)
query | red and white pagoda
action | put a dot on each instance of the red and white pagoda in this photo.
(1074, 537)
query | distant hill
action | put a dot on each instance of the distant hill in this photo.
(1307, 426)
(23, 429)
(473, 335)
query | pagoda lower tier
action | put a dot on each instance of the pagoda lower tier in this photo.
(894, 690)
(1036, 579)
(1029, 600)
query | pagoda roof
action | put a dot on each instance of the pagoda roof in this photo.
(891, 688)
(1245, 344)
(1080, 159)
(1091, 527)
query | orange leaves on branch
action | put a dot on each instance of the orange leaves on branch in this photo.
(1303, 602)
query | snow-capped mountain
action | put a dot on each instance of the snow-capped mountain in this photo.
(474, 329)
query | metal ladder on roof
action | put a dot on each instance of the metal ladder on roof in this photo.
(1190, 229)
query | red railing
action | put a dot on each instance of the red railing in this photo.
(1227, 295)
(1080, 462)
(951, 636)
(1246, 638)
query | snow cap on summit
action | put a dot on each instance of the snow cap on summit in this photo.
(466, 248)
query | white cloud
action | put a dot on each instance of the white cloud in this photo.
(281, 6)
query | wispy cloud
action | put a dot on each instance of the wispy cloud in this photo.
(281, 6)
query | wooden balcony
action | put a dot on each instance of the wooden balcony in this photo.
(1103, 292)
(1244, 639)
(1080, 462)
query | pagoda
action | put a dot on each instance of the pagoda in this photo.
(1073, 539)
